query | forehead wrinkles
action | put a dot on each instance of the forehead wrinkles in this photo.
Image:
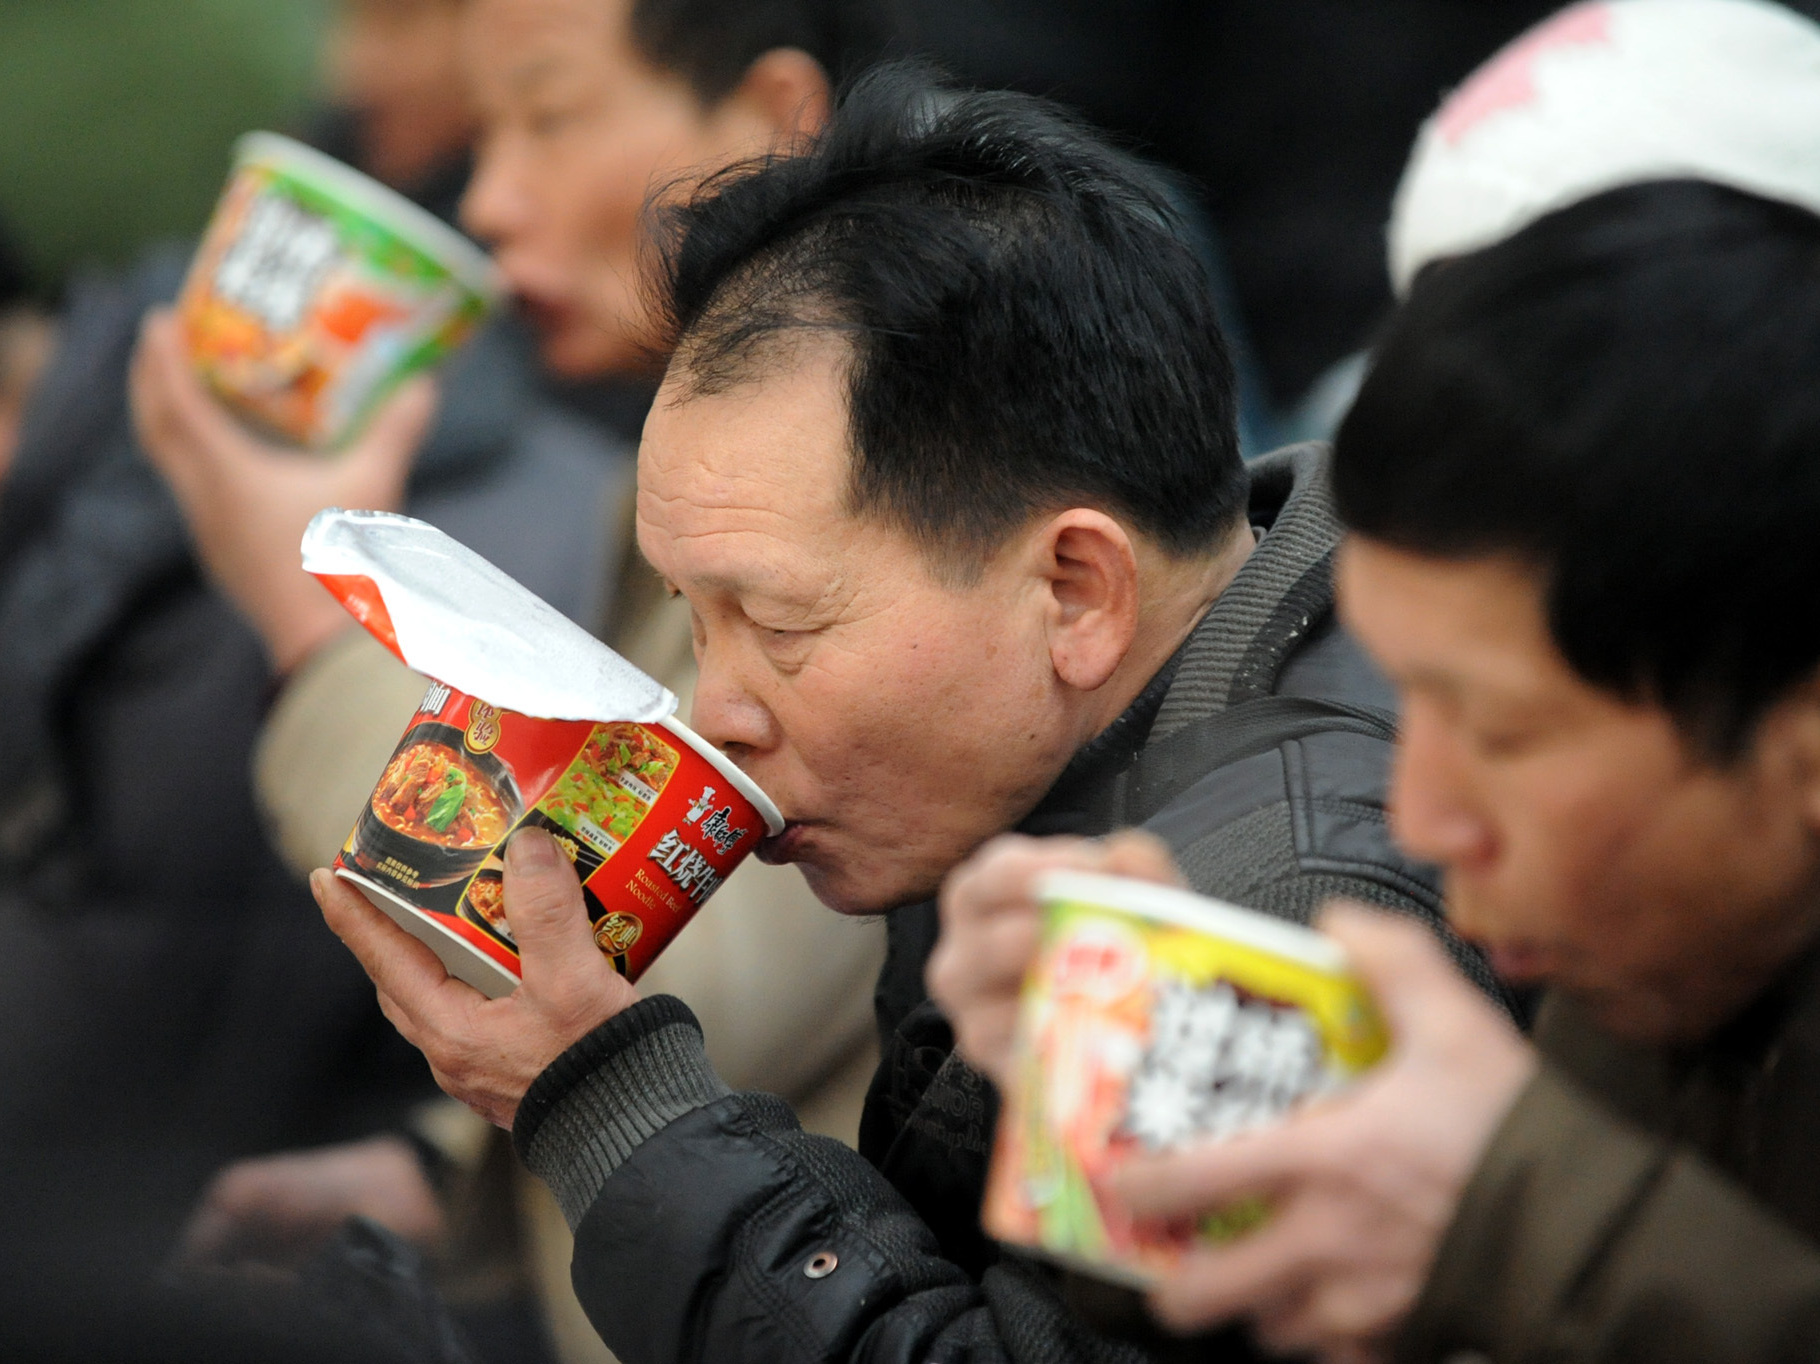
(747, 553)
(737, 525)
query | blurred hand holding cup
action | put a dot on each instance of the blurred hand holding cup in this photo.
(1153, 1019)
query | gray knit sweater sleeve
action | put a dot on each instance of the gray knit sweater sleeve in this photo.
(620, 1085)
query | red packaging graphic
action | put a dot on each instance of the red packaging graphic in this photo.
(653, 817)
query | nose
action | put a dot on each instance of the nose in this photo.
(493, 207)
(727, 712)
(1432, 811)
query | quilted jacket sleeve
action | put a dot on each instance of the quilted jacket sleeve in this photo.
(710, 1227)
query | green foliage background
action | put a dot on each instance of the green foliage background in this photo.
(116, 116)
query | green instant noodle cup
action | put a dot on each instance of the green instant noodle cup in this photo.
(317, 291)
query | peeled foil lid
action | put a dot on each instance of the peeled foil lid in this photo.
(451, 615)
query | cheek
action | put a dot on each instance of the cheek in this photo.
(594, 202)
(1569, 832)
(935, 705)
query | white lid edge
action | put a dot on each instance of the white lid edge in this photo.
(767, 809)
(423, 229)
(1199, 913)
(495, 981)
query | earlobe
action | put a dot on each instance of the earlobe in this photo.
(788, 91)
(1090, 569)
(1798, 733)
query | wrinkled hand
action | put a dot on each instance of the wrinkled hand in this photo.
(1362, 1187)
(486, 1052)
(247, 502)
(992, 924)
(279, 1210)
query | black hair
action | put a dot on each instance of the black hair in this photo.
(713, 43)
(1626, 396)
(1030, 326)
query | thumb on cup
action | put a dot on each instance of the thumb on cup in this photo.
(183, 429)
(544, 908)
(1139, 854)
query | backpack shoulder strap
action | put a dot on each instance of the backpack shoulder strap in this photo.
(1171, 765)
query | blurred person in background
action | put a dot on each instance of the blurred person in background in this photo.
(1293, 118)
(585, 108)
(1580, 477)
(160, 954)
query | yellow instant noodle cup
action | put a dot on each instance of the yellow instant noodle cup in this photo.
(317, 291)
(1154, 1018)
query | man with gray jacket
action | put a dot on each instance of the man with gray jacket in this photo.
(944, 465)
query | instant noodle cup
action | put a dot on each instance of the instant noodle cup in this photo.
(530, 723)
(1154, 1018)
(317, 291)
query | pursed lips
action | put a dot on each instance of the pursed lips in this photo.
(783, 847)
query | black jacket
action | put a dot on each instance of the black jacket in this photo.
(696, 1210)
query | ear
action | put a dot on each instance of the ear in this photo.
(1090, 573)
(787, 92)
(1796, 724)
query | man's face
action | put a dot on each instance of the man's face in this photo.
(577, 128)
(896, 720)
(1584, 842)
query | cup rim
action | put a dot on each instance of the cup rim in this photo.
(1198, 913)
(422, 229)
(767, 809)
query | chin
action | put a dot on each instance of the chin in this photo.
(845, 894)
(572, 357)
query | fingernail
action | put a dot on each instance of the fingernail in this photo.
(319, 884)
(532, 851)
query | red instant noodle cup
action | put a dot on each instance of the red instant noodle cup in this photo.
(573, 740)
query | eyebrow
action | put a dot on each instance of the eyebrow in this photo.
(1432, 678)
(720, 582)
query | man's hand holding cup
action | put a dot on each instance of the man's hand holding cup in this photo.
(487, 1052)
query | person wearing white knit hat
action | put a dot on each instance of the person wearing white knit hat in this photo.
(1601, 94)
(1610, 93)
